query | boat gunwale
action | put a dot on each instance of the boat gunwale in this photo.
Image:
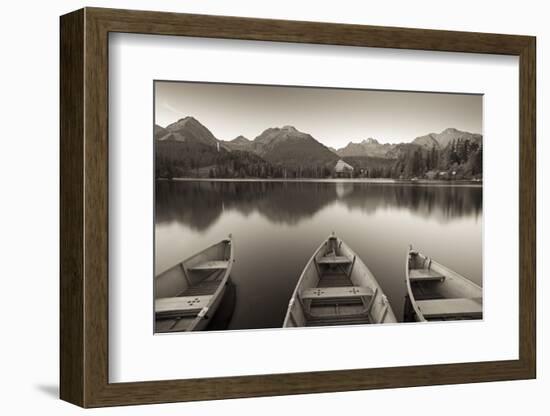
(419, 315)
(181, 263)
(300, 279)
(221, 286)
(373, 281)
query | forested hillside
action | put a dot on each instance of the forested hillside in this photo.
(460, 159)
(187, 148)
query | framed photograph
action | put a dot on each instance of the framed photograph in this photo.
(257, 207)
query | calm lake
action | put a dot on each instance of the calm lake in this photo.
(276, 226)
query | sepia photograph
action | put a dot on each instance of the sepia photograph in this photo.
(293, 206)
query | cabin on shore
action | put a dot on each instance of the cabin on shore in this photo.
(343, 170)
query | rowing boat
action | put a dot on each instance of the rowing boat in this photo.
(437, 293)
(189, 293)
(337, 288)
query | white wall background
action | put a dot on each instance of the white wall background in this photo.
(29, 159)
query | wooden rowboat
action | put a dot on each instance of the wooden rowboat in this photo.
(437, 293)
(189, 293)
(337, 288)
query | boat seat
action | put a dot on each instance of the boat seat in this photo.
(338, 279)
(447, 308)
(424, 275)
(210, 265)
(180, 306)
(334, 260)
(336, 292)
(338, 320)
(206, 287)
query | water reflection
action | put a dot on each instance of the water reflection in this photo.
(276, 227)
(200, 204)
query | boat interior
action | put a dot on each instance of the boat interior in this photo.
(335, 297)
(441, 294)
(185, 291)
(177, 313)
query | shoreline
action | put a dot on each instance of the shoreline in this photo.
(336, 180)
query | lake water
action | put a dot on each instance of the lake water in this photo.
(276, 226)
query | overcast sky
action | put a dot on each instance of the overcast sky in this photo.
(332, 116)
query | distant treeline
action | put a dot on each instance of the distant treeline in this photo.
(181, 159)
(461, 159)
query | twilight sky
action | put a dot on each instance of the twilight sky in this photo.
(332, 116)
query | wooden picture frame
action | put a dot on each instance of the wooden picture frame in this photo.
(84, 207)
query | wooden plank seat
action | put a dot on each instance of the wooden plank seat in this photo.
(211, 265)
(334, 260)
(331, 306)
(207, 287)
(424, 275)
(335, 292)
(447, 308)
(334, 280)
(180, 306)
(338, 320)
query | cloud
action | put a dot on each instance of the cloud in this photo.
(168, 107)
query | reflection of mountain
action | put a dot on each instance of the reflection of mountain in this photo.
(200, 204)
(291, 202)
(188, 203)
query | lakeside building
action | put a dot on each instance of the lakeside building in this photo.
(343, 169)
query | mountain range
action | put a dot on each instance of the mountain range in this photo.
(371, 147)
(285, 145)
(192, 149)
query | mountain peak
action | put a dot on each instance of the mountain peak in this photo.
(189, 128)
(188, 119)
(183, 122)
(240, 140)
(450, 134)
(274, 134)
(287, 145)
(370, 140)
(367, 147)
(289, 128)
(428, 141)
